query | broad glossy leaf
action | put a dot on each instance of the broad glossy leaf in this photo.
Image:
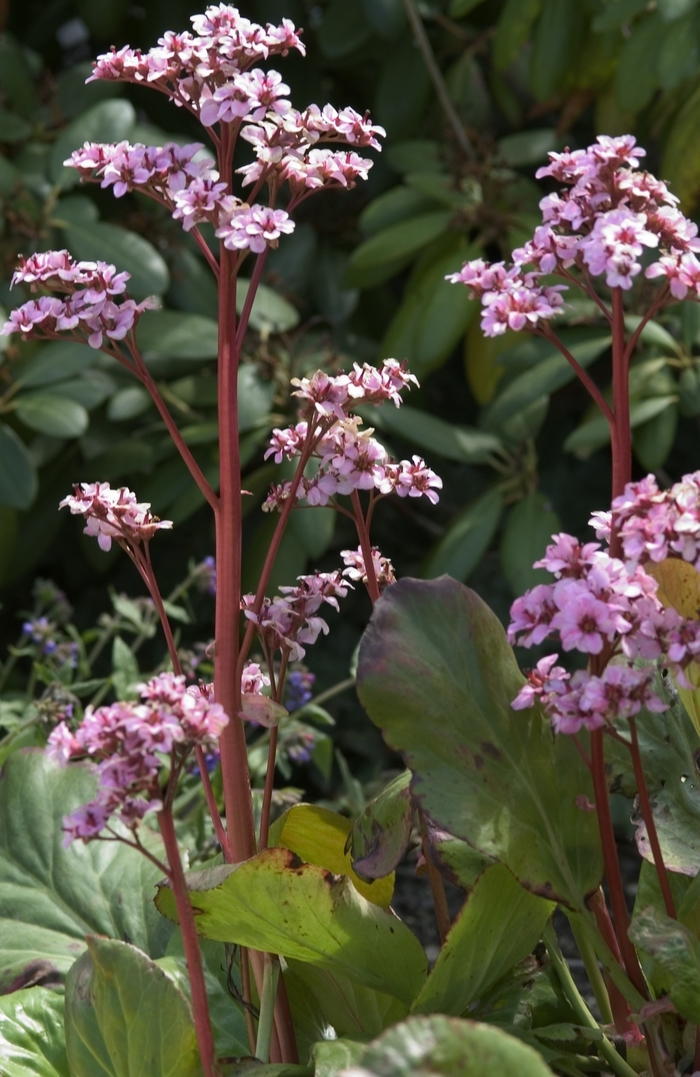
(32, 1040)
(465, 444)
(481, 360)
(271, 313)
(460, 862)
(192, 284)
(678, 56)
(513, 29)
(546, 377)
(653, 440)
(379, 836)
(467, 538)
(399, 240)
(351, 1009)
(676, 953)
(616, 13)
(670, 10)
(557, 38)
(392, 207)
(127, 403)
(498, 926)
(388, 17)
(16, 75)
(95, 241)
(343, 29)
(415, 155)
(670, 752)
(403, 88)
(168, 334)
(277, 903)
(18, 478)
(125, 1016)
(12, 127)
(255, 397)
(54, 362)
(51, 897)
(109, 121)
(53, 414)
(450, 1047)
(314, 528)
(332, 1056)
(529, 147)
(595, 433)
(636, 78)
(529, 528)
(437, 676)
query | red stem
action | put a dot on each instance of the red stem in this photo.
(622, 1014)
(193, 957)
(620, 430)
(366, 545)
(437, 886)
(612, 866)
(549, 334)
(250, 298)
(269, 784)
(648, 816)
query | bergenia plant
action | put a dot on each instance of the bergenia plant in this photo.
(628, 604)
(139, 748)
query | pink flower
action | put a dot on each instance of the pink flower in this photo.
(113, 514)
(584, 622)
(355, 569)
(253, 228)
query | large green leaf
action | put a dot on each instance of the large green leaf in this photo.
(636, 78)
(499, 925)
(109, 121)
(350, 1008)
(403, 88)
(53, 414)
(32, 1040)
(529, 528)
(275, 902)
(271, 313)
(55, 361)
(467, 538)
(168, 334)
(438, 677)
(344, 28)
(51, 897)
(391, 207)
(556, 41)
(125, 1017)
(380, 835)
(449, 1047)
(398, 241)
(332, 1056)
(465, 444)
(546, 377)
(513, 29)
(676, 953)
(95, 241)
(594, 433)
(18, 478)
(669, 748)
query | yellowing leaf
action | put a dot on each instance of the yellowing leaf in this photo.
(319, 836)
(480, 354)
(679, 587)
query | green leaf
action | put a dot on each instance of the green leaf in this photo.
(689, 388)
(319, 836)
(379, 836)
(16, 76)
(458, 861)
(676, 953)
(32, 1040)
(91, 389)
(398, 241)
(332, 1056)
(12, 127)
(465, 444)
(438, 677)
(343, 29)
(670, 10)
(388, 17)
(109, 121)
(513, 30)
(128, 403)
(255, 397)
(271, 313)
(349, 1008)
(74, 96)
(314, 528)
(556, 41)
(617, 12)
(449, 1047)
(653, 440)
(122, 248)
(668, 747)
(192, 284)
(392, 207)
(125, 1016)
(403, 89)
(415, 155)
(653, 333)
(433, 317)
(125, 669)
(275, 902)
(546, 377)
(529, 528)
(679, 54)
(54, 362)
(18, 478)
(53, 414)
(529, 147)
(498, 926)
(167, 334)
(51, 897)
(594, 433)
(467, 538)
(636, 76)
(681, 160)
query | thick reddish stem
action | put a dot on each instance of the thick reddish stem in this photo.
(622, 1014)
(193, 957)
(583, 377)
(648, 817)
(612, 866)
(437, 886)
(366, 546)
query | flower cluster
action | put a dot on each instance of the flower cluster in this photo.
(654, 524)
(355, 568)
(604, 607)
(128, 742)
(325, 395)
(298, 689)
(289, 620)
(93, 306)
(601, 223)
(350, 459)
(113, 514)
